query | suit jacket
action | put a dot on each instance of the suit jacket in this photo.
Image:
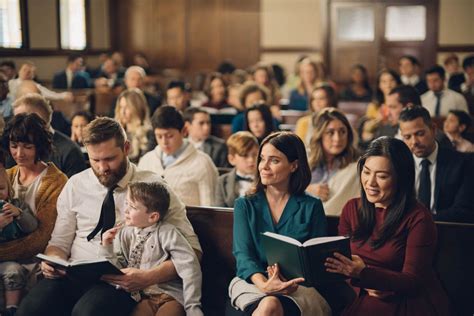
(421, 87)
(454, 194)
(455, 82)
(79, 81)
(217, 150)
(153, 102)
(226, 189)
(67, 155)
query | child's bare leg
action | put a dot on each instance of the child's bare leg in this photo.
(12, 297)
(171, 308)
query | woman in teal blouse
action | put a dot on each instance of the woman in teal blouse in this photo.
(277, 203)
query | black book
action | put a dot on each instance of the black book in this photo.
(85, 270)
(305, 260)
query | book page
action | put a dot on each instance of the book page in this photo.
(322, 240)
(52, 259)
(283, 238)
(79, 262)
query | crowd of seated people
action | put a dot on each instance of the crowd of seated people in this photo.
(413, 132)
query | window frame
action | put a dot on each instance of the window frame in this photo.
(87, 26)
(25, 50)
(25, 42)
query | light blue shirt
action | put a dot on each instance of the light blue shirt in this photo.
(167, 160)
(6, 109)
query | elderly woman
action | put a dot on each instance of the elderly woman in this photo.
(332, 161)
(276, 203)
(393, 239)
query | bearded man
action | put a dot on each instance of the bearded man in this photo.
(92, 202)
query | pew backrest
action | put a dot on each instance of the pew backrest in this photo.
(213, 225)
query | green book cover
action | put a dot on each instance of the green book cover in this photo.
(306, 259)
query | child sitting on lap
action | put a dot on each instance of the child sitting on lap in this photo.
(16, 221)
(146, 242)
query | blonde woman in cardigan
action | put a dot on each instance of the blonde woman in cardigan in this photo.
(332, 160)
(132, 113)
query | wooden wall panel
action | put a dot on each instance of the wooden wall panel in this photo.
(241, 30)
(189, 34)
(167, 30)
(204, 33)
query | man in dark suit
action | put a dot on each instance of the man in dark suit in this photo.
(72, 77)
(398, 99)
(67, 156)
(409, 67)
(464, 82)
(444, 178)
(109, 75)
(198, 125)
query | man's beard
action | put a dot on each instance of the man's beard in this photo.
(111, 178)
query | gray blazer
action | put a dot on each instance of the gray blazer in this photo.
(217, 150)
(226, 189)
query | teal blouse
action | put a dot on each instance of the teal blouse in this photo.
(302, 218)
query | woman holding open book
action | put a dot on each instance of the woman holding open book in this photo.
(276, 203)
(393, 239)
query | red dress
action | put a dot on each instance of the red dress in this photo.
(402, 268)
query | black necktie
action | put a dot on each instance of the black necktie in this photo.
(424, 191)
(107, 214)
(438, 103)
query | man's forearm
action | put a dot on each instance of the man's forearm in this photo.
(56, 252)
(163, 273)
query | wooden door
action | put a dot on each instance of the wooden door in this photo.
(377, 33)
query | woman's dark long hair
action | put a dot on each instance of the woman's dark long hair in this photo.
(379, 97)
(403, 200)
(267, 117)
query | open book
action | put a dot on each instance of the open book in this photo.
(89, 270)
(306, 259)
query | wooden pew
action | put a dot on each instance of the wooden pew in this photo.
(453, 261)
(81, 102)
(213, 226)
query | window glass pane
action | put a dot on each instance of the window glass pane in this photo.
(355, 24)
(10, 24)
(405, 23)
(73, 24)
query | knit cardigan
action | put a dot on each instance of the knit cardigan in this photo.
(27, 247)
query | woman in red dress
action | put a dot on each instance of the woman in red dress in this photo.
(393, 239)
